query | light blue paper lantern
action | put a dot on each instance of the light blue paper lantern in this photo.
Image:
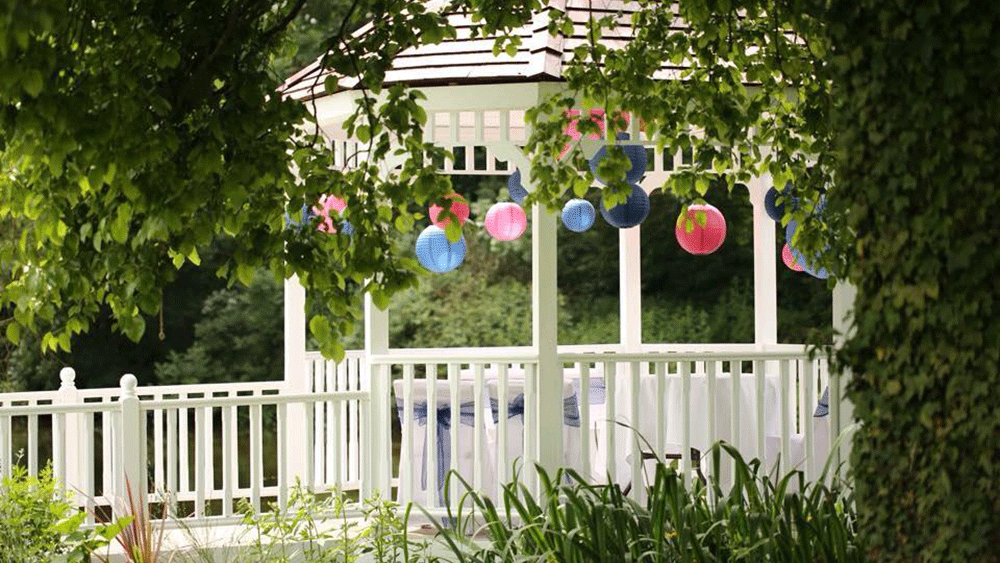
(578, 215)
(628, 214)
(636, 155)
(436, 253)
(515, 189)
(800, 258)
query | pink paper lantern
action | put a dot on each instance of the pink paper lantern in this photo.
(458, 206)
(328, 205)
(789, 259)
(701, 240)
(506, 221)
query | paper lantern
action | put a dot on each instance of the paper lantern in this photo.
(701, 240)
(302, 220)
(808, 264)
(328, 206)
(458, 206)
(775, 210)
(506, 221)
(636, 154)
(789, 259)
(573, 132)
(628, 214)
(578, 215)
(436, 253)
(515, 189)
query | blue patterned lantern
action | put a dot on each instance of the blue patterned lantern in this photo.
(774, 210)
(307, 214)
(436, 253)
(630, 213)
(800, 258)
(515, 189)
(636, 155)
(578, 215)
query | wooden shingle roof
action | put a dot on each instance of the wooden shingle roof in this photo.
(470, 60)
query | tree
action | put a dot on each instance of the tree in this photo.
(134, 135)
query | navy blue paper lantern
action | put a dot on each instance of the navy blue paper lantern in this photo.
(774, 210)
(800, 258)
(437, 254)
(578, 215)
(636, 155)
(630, 213)
(515, 189)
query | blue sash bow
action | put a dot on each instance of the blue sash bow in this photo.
(466, 416)
(571, 410)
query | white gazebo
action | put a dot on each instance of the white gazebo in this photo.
(476, 104)
(203, 447)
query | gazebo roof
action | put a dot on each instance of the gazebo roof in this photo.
(470, 60)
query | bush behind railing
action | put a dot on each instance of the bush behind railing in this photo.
(760, 518)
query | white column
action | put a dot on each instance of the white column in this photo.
(131, 479)
(630, 288)
(844, 294)
(379, 448)
(74, 458)
(297, 450)
(765, 273)
(545, 338)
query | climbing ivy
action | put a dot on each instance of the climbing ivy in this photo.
(918, 130)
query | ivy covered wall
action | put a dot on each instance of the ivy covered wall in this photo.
(919, 84)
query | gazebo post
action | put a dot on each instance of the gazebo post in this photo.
(765, 273)
(841, 410)
(297, 450)
(630, 288)
(378, 447)
(545, 338)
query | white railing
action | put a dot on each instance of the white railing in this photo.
(197, 448)
(203, 448)
(669, 401)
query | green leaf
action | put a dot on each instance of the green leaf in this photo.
(32, 82)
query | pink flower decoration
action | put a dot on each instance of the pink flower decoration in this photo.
(506, 221)
(458, 206)
(789, 259)
(329, 204)
(701, 240)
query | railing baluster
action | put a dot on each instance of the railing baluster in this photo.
(199, 463)
(711, 372)
(431, 432)
(636, 454)
(183, 450)
(660, 410)
(456, 421)
(209, 459)
(759, 375)
(87, 466)
(320, 455)
(282, 439)
(686, 421)
(6, 445)
(59, 447)
(477, 428)
(530, 427)
(107, 458)
(229, 471)
(585, 430)
(256, 456)
(809, 402)
(354, 429)
(344, 449)
(736, 378)
(329, 475)
(610, 456)
(785, 463)
(158, 473)
(502, 413)
(406, 469)
(32, 444)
